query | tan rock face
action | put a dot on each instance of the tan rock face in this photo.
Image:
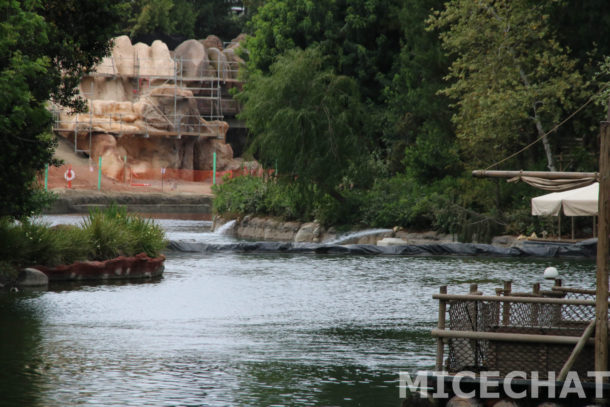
(136, 110)
(233, 62)
(212, 41)
(204, 155)
(192, 59)
(218, 62)
(123, 56)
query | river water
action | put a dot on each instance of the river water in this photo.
(241, 329)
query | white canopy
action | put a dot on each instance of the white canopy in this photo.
(576, 202)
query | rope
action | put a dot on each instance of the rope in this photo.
(550, 131)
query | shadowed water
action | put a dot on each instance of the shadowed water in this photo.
(241, 330)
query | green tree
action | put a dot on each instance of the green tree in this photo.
(306, 118)
(183, 18)
(511, 79)
(44, 49)
(154, 16)
(361, 38)
(418, 119)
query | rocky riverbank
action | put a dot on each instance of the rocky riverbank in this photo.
(269, 229)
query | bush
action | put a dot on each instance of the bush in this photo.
(253, 195)
(113, 232)
(462, 206)
(104, 234)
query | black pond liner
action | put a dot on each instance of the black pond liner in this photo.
(586, 248)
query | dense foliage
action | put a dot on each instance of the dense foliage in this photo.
(308, 120)
(183, 19)
(44, 49)
(510, 78)
(445, 87)
(104, 234)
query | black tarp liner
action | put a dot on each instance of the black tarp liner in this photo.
(585, 248)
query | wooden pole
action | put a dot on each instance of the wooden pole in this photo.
(440, 343)
(576, 352)
(601, 306)
(506, 305)
(538, 174)
(506, 337)
(521, 299)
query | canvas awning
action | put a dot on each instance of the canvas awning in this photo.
(576, 202)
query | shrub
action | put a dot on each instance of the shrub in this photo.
(253, 195)
(113, 232)
(104, 234)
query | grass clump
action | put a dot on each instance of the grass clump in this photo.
(104, 234)
(113, 232)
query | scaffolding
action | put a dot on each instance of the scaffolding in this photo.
(209, 87)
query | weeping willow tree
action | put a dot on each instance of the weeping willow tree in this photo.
(306, 119)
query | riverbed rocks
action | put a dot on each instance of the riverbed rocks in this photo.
(30, 277)
(308, 232)
(264, 228)
(391, 241)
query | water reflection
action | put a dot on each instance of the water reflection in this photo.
(241, 330)
(22, 367)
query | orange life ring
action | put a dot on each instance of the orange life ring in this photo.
(69, 175)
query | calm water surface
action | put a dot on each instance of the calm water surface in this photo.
(240, 330)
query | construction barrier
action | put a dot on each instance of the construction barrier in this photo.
(128, 179)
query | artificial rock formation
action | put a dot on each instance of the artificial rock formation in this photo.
(145, 105)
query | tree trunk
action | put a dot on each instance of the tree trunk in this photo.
(539, 128)
(545, 142)
(336, 195)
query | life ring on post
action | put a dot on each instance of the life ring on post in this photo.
(69, 175)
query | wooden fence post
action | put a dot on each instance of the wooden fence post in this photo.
(440, 344)
(601, 307)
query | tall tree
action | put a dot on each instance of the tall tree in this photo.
(511, 79)
(419, 119)
(44, 48)
(155, 16)
(361, 38)
(306, 119)
(183, 19)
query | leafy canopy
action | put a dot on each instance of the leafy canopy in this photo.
(306, 118)
(44, 49)
(511, 79)
(152, 19)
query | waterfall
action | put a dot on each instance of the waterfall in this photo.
(225, 228)
(354, 235)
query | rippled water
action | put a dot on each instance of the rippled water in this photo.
(240, 330)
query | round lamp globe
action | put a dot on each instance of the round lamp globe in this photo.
(551, 273)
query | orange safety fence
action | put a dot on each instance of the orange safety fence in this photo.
(86, 177)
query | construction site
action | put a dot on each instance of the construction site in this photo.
(153, 113)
